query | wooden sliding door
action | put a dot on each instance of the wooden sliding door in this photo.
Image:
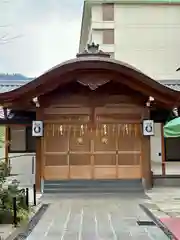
(80, 151)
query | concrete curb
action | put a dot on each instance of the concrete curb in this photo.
(158, 223)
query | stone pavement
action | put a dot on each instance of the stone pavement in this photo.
(164, 201)
(164, 204)
(94, 217)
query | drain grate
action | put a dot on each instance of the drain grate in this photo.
(31, 225)
(146, 223)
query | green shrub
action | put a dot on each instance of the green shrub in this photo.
(7, 192)
(4, 171)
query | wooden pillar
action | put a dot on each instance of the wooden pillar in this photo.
(146, 155)
(146, 162)
(38, 154)
(163, 151)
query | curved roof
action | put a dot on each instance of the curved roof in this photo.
(68, 70)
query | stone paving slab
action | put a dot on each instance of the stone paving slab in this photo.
(5, 230)
(166, 200)
(94, 218)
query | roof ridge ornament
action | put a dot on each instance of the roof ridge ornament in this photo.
(93, 50)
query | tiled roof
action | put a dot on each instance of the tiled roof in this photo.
(6, 86)
(173, 86)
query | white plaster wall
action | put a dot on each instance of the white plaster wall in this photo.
(156, 148)
(155, 142)
(97, 36)
(96, 13)
(148, 37)
(22, 165)
(89, 37)
(102, 25)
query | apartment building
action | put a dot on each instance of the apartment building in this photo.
(144, 34)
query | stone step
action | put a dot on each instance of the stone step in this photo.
(167, 182)
(95, 182)
(93, 186)
(92, 190)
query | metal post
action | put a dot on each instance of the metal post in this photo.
(34, 194)
(33, 160)
(27, 197)
(14, 212)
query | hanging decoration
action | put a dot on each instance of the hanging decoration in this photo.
(61, 130)
(81, 134)
(81, 130)
(104, 139)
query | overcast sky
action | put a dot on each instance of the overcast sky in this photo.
(49, 34)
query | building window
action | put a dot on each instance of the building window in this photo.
(108, 36)
(21, 139)
(108, 11)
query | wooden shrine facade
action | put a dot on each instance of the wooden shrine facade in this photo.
(92, 108)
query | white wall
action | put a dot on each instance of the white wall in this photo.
(156, 144)
(22, 166)
(96, 15)
(156, 148)
(148, 37)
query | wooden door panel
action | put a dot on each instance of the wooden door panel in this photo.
(128, 144)
(80, 172)
(110, 151)
(105, 172)
(56, 144)
(105, 138)
(129, 137)
(55, 173)
(80, 166)
(56, 138)
(79, 139)
(79, 159)
(79, 153)
(128, 158)
(129, 172)
(129, 151)
(56, 160)
(105, 159)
